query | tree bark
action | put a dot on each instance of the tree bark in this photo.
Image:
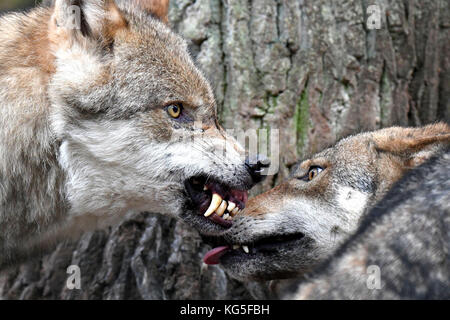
(312, 70)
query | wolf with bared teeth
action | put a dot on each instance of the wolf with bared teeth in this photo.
(291, 229)
(88, 112)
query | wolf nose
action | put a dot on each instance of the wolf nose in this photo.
(256, 165)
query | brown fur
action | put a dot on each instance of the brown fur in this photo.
(158, 8)
(399, 150)
(357, 172)
(85, 136)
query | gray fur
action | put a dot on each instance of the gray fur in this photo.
(407, 235)
(84, 136)
(317, 216)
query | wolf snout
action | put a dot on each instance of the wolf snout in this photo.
(255, 166)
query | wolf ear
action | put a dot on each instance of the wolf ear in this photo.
(157, 8)
(77, 19)
(414, 145)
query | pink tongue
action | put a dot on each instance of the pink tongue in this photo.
(213, 256)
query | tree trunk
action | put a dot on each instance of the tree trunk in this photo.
(310, 69)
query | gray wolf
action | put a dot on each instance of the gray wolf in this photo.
(89, 109)
(404, 239)
(291, 229)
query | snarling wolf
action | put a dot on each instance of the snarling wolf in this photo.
(92, 94)
(290, 229)
(402, 248)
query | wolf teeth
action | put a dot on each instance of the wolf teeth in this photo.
(215, 203)
(231, 206)
(222, 208)
(245, 248)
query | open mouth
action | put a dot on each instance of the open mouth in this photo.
(237, 252)
(216, 201)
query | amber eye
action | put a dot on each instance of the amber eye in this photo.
(313, 172)
(174, 110)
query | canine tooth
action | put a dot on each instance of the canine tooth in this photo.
(235, 211)
(245, 248)
(231, 206)
(226, 216)
(205, 188)
(236, 246)
(222, 207)
(215, 203)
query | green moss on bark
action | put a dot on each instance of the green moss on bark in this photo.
(301, 121)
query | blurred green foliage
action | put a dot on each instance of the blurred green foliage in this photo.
(6, 5)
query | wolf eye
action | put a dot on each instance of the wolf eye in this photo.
(313, 172)
(174, 110)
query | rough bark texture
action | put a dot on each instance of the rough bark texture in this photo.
(308, 68)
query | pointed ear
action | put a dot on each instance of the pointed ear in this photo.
(157, 8)
(414, 145)
(78, 19)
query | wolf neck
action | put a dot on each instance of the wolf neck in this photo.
(31, 181)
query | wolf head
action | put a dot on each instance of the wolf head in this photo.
(289, 229)
(135, 118)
